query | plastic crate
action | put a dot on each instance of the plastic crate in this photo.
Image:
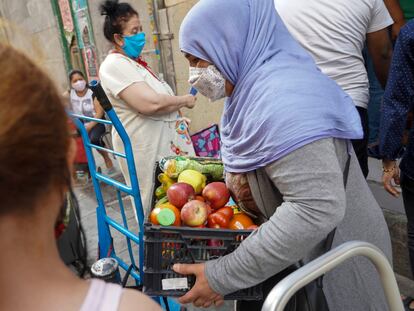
(165, 246)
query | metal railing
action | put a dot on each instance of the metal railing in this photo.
(285, 289)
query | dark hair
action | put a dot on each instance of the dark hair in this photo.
(34, 136)
(117, 14)
(74, 72)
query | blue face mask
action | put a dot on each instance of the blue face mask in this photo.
(134, 44)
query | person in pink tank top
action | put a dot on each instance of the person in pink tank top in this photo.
(36, 159)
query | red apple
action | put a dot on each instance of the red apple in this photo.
(194, 213)
(216, 194)
(180, 193)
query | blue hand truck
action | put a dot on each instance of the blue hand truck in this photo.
(105, 222)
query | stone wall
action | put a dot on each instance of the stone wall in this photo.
(34, 24)
(205, 113)
(103, 46)
(32, 28)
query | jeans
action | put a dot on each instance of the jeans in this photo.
(407, 186)
(96, 134)
(361, 145)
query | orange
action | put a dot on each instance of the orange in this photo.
(176, 211)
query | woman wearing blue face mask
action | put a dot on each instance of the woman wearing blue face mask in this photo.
(144, 103)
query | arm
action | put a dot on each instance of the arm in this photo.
(99, 112)
(66, 99)
(310, 180)
(145, 100)
(398, 100)
(380, 49)
(397, 15)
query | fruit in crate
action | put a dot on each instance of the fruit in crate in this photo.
(161, 201)
(200, 198)
(194, 213)
(160, 192)
(180, 193)
(240, 222)
(166, 214)
(166, 182)
(216, 194)
(212, 167)
(221, 218)
(193, 178)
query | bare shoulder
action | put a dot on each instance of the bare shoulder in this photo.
(132, 299)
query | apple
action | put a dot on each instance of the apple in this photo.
(194, 213)
(180, 193)
(216, 194)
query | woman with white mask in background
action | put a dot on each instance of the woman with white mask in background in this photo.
(83, 102)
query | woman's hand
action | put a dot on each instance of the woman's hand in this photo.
(190, 101)
(390, 172)
(145, 100)
(201, 295)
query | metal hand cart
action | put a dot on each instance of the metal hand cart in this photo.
(105, 222)
(285, 289)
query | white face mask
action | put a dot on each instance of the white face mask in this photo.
(79, 85)
(208, 81)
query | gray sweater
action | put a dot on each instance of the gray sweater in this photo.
(303, 200)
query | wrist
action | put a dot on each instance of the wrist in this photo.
(388, 165)
(399, 21)
(185, 101)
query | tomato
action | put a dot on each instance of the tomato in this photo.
(221, 218)
(217, 220)
(226, 211)
(240, 221)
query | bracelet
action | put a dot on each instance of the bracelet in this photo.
(389, 170)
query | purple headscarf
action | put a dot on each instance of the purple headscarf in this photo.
(281, 101)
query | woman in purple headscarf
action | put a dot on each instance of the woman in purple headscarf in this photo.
(285, 129)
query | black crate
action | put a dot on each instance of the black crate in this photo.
(165, 246)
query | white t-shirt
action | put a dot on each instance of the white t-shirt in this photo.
(82, 105)
(152, 137)
(334, 32)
